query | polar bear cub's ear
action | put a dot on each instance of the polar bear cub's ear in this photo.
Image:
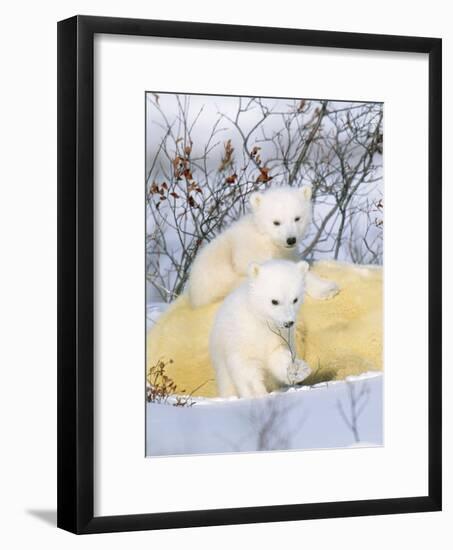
(307, 192)
(255, 200)
(303, 267)
(254, 270)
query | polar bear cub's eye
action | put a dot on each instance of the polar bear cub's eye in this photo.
(276, 222)
(297, 219)
(275, 302)
(295, 300)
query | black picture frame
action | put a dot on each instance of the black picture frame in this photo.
(76, 261)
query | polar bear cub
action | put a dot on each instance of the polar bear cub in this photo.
(253, 327)
(276, 225)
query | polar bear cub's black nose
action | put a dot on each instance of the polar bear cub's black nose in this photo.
(291, 240)
(288, 324)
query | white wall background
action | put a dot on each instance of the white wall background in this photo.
(28, 272)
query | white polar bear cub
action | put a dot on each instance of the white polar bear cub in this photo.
(277, 223)
(247, 350)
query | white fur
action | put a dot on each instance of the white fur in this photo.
(248, 355)
(221, 266)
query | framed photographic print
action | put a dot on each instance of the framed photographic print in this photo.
(249, 274)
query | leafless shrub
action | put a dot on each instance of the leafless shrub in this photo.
(160, 387)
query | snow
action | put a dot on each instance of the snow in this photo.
(312, 417)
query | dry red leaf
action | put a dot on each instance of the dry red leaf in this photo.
(228, 155)
(264, 175)
(187, 174)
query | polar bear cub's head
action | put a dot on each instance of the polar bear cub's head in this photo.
(276, 291)
(282, 213)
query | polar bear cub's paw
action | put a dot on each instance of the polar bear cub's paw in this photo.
(298, 371)
(320, 289)
(328, 289)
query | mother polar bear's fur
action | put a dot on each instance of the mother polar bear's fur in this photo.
(276, 225)
(337, 337)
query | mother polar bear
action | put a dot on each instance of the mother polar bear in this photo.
(277, 223)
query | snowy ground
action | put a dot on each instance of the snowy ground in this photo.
(329, 415)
